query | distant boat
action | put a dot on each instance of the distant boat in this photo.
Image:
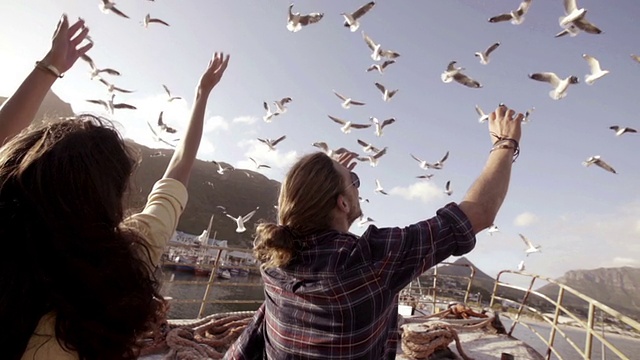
(199, 271)
(224, 274)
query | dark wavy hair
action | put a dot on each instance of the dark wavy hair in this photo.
(61, 206)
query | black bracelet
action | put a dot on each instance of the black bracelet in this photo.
(500, 145)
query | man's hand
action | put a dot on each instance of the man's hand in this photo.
(502, 124)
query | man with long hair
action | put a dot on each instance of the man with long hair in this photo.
(332, 294)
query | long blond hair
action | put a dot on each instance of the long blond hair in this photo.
(307, 198)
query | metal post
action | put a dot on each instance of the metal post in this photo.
(212, 277)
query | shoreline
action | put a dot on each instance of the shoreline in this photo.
(627, 335)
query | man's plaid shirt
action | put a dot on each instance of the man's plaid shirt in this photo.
(338, 298)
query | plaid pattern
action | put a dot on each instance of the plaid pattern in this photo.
(338, 298)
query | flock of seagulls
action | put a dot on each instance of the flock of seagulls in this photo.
(572, 22)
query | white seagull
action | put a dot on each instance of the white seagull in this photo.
(521, 266)
(527, 114)
(425, 177)
(364, 221)
(95, 72)
(171, 98)
(348, 125)
(380, 67)
(164, 127)
(280, 105)
(110, 106)
(240, 220)
(438, 165)
(351, 20)
(258, 165)
(158, 138)
(381, 125)
(455, 73)
(379, 188)
(483, 117)
(599, 162)
(596, 70)
(111, 88)
(530, 247)
(270, 114)
(148, 20)
(574, 20)
(386, 93)
(295, 21)
(330, 152)
(447, 188)
(493, 228)
(377, 52)
(484, 55)
(516, 16)
(272, 143)
(373, 159)
(107, 6)
(347, 102)
(560, 86)
(221, 170)
(622, 130)
(367, 147)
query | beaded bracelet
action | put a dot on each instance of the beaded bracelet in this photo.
(49, 68)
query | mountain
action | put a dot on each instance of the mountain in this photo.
(52, 108)
(618, 288)
(239, 191)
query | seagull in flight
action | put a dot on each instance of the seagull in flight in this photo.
(455, 73)
(447, 188)
(110, 106)
(95, 71)
(438, 165)
(270, 114)
(111, 88)
(348, 125)
(165, 127)
(596, 70)
(516, 16)
(521, 266)
(107, 6)
(380, 67)
(530, 247)
(575, 21)
(483, 117)
(367, 147)
(295, 21)
(258, 165)
(149, 20)
(272, 143)
(596, 160)
(157, 137)
(484, 55)
(347, 102)
(379, 188)
(425, 177)
(241, 220)
(492, 229)
(221, 170)
(280, 105)
(377, 52)
(330, 152)
(386, 93)
(171, 98)
(560, 86)
(373, 159)
(351, 20)
(364, 221)
(379, 126)
(622, 130)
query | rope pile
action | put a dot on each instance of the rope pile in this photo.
(419, 341)
(209, 337)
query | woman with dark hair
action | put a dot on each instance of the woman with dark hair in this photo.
(88, 290)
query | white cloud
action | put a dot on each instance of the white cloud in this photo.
(260, 152)
(245, 120)
(525, 219)
(214, 123)
(619, 261)
(424, 191)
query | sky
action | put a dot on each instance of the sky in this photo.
(584, 218)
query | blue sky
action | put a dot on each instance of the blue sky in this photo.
(584, 218)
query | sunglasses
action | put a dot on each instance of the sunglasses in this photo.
(355, 180)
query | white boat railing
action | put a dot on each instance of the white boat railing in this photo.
(585, 322)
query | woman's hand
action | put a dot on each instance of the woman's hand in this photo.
(64, 50)
(213, 73)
